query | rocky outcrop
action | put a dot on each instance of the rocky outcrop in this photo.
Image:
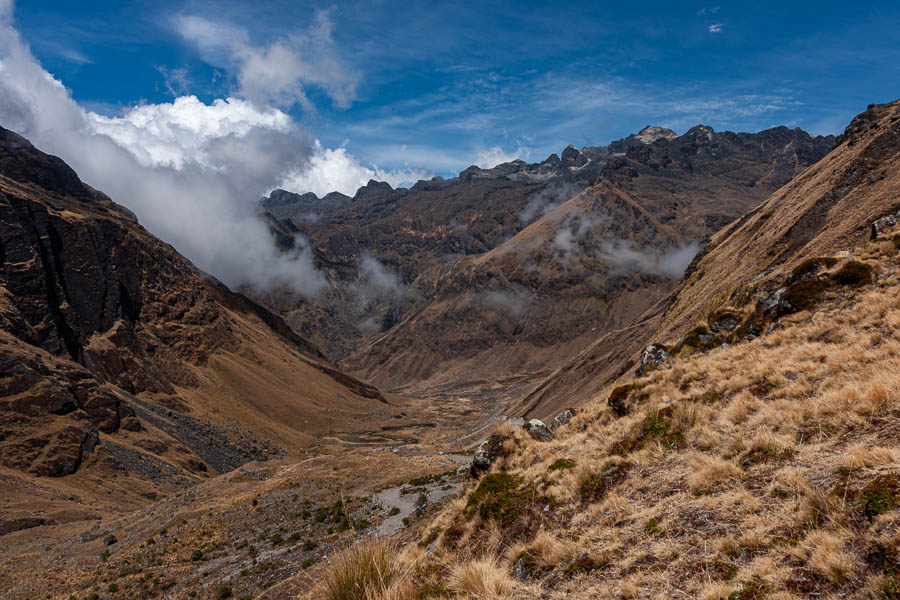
(562, 418)
(538, 430)
(488, 453)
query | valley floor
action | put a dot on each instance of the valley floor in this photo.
(259, 529)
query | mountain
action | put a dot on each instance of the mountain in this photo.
(825, 210)
(484, 284)
(123, 368)
(754, 453)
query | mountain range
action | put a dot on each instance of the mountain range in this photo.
(663, 367)
(485, 284)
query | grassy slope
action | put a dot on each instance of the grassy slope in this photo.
(765, 469)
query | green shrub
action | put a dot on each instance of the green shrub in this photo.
(896, 241)
(501, 497)
(751, 591)
(812, 266)
(112, 588)
(595, 487)
(585, 564)
(805, 294)
(276, 539)
(197, 555)
(222, 592)
(393, 512)
(880, 496)
(562, 463)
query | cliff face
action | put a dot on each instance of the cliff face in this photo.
(116, 352)
(504, 274)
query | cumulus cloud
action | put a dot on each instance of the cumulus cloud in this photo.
(336, 170)
(190, 171)
(185, 130)
(278, 72)
(624, 255)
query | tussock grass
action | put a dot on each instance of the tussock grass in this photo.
(483, 578)
(367, 570)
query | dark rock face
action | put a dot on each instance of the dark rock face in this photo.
(94, 310)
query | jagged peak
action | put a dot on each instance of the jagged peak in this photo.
(651, 133)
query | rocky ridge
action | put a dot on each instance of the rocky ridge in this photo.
(503, 274)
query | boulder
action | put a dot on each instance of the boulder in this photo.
(652, 358)
(538, 430)
(488, 452)
(562, 418)
(617, 398)
(883, 224)
(520, 570)
(110, 540)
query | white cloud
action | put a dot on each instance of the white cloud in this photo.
(174, 134)
(671, 262)
(276, 73)
(6, 11)
(191, 172)
(716, 28)
(337, 170)
(545, 200)
(492, 157)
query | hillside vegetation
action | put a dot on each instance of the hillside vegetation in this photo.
(758, 456)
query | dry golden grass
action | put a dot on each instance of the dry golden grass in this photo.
(483, 578)
(747, 478)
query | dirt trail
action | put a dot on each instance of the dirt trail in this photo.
(407, 498)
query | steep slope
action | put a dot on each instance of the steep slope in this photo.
(826, 209)
(497, 321)
(121, 362)
(758, 459)
(829, 208)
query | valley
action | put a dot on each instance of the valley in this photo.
(717, 312)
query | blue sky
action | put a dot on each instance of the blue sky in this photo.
(439, 86)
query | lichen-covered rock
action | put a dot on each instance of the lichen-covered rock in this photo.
(883, 224)
(652, 358)
(562, 418)
(488, 452)
(538, 430)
